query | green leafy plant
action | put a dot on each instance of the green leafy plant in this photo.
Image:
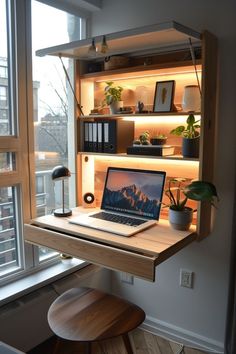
(159, 136)
(112, 93)
(197, 190)
(190, 131)
(144, 138)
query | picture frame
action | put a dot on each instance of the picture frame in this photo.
(164, 96)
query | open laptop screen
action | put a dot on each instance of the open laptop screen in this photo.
(135, 192)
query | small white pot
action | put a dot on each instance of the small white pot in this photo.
(115, 107)
(181, 220)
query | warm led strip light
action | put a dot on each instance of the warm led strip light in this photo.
(168, 119)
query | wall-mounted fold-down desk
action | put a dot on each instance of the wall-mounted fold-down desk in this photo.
(138, 255)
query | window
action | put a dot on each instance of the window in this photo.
(21, 108)
(53, 118)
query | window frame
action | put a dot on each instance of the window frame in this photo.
(21, 140)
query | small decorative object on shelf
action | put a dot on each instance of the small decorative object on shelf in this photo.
(140, 106)
(113, 97)
(190, 137)
(158, 139)
(191, 99)
(164, 96)
(180, 215)
(116, 62)
(125, 110)
(60, 173)
(145, 138)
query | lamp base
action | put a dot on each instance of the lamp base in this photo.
(62, 212)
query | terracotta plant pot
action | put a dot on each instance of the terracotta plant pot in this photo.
(181, 220)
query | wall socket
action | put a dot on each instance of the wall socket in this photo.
(126, 278)
(186, 278)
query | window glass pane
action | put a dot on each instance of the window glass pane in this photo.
(7, 161)
(9, 249)
(52, 112)
(5, 116)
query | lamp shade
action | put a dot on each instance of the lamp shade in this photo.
(191, 99)
(60, 172)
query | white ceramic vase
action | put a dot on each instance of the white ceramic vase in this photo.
(191, 99)
(115, 107)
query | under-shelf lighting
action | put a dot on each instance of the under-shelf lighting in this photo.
(92, 49)
(137, 76)
(164, 120)
(104, 46)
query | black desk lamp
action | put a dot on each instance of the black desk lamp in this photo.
(61, 173)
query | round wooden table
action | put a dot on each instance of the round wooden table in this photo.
(88, 315)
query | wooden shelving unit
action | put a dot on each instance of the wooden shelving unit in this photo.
(131, 77)
(140, 254)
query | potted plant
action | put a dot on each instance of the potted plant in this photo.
(113, 97)
(158, 139)
(190, 135)
(180, 215)
(145, 138)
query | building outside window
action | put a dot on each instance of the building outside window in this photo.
(52, 115)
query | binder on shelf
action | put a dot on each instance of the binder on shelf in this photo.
(108, 136)
(117, 135)
(90, 135)
(86, 137)
(94, 137)
(99, 137)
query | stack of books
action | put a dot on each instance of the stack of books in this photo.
(153, 150)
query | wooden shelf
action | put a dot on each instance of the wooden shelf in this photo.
(143, 71)
(135, 115)
(125, 156)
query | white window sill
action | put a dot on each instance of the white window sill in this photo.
(39, 279)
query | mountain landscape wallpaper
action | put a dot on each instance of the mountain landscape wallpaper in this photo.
(141, 197)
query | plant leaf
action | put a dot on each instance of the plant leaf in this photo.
(201, 191)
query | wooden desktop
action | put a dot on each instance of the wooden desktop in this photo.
(138, 255)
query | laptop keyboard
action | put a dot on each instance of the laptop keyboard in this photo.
(119, 219)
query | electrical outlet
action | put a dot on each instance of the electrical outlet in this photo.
(186, 278)
(127, 278)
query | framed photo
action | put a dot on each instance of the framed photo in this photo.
(164, 96)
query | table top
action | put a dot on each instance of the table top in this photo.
(152, 241)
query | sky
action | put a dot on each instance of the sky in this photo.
(49, 28)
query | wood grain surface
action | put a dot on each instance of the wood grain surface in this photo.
(85, 314)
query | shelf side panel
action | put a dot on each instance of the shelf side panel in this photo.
(208, 125)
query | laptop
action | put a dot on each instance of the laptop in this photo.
(131, 202)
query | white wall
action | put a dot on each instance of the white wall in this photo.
(201, 310)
